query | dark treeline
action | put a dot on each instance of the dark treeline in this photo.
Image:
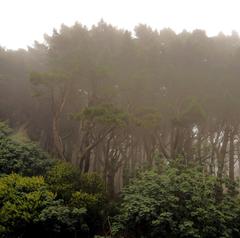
(113, 102)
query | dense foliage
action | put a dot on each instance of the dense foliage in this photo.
(63, 202)
(177, 203)
(29, 209)
(25, 158)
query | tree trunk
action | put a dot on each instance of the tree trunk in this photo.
(110, 183)
(231, 156)
(222, 154)
(57, 141)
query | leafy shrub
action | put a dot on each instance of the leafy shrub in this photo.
(63, 203)
(61, 220)
(177, 203)
(22, 158)
(21, 201)
(92, 183)
(64, 179)
(79, 191)
(82, 199)
(29, 209)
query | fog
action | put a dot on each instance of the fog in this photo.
(22, 22)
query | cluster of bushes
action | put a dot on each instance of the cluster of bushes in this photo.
(42, 197)
(178, 202)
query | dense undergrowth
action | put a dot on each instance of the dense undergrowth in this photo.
(44, 197)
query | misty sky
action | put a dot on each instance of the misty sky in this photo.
(23, 21)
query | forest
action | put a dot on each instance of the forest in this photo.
(110, 133)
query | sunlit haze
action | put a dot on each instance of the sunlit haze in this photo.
(22, 22)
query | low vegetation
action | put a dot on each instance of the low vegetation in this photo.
(58, 200)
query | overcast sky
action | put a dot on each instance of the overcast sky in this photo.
(23, 21)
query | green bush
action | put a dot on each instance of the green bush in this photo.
(181, 202)
(21, 201)
(92, 183)
(24, 158)
(62, 203)
(29, 209)
(79, 191)
(64, 179)
(58, 220)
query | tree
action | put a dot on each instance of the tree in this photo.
(57, 87)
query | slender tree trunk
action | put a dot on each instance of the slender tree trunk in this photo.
(212, 162)
(221, 161)
(231, 156)
(57, 141)
(222, 154)
(87, 161)
(175, 143)
(110, 183)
